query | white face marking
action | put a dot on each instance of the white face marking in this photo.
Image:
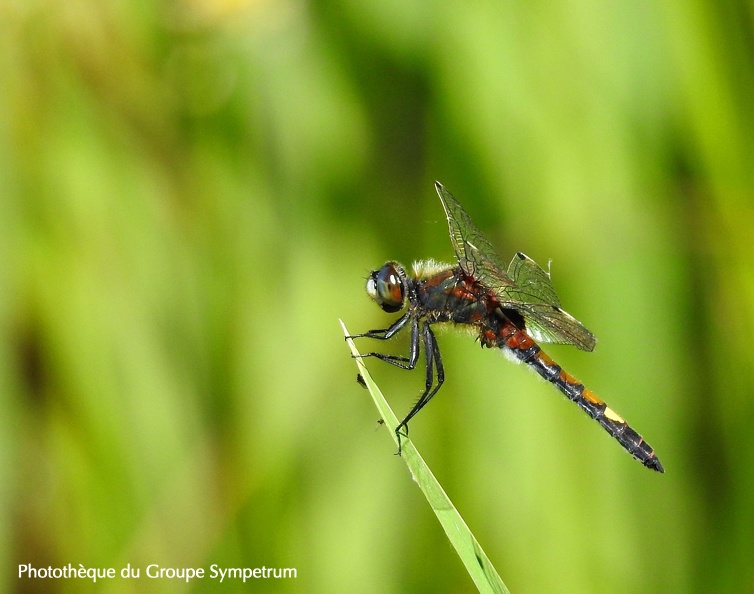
(371, 288)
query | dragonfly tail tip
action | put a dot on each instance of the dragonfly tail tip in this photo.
(654, 464)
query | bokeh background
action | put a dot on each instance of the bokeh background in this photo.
(193, 193)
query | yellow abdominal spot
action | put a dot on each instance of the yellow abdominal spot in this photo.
(613, 416)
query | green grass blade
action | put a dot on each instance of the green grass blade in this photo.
(473, 557)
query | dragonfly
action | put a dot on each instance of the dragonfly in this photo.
(513, 308)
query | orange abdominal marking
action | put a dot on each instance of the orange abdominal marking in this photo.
(592, 397)
(546, 359)
(568, 378)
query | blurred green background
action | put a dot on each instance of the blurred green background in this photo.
(193, 193)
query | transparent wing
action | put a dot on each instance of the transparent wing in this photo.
(533, 283)
(475, 254)
(550, 323)
(534, 297)
(526, 287)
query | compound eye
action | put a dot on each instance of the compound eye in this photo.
(386, 287)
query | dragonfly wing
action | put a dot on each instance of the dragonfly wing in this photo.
(532, 281)
(474, 252)
(526, 287)
(534, 297)
(551, 323)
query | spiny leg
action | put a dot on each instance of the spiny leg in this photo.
(434, 363)
(386, 333)
(397, 360)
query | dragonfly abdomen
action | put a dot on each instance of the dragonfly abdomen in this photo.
(528, 351)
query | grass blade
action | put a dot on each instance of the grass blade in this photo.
(473, 557)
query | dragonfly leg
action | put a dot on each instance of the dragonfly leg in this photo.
(397, 360)
(386, 333)
(434, 371)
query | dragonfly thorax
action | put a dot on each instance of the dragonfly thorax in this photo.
(387, 286)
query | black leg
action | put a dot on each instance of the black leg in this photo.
(386, 333)
(434, 363)
(397, 360)
(434, 368)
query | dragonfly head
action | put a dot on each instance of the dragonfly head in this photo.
(387, 286)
